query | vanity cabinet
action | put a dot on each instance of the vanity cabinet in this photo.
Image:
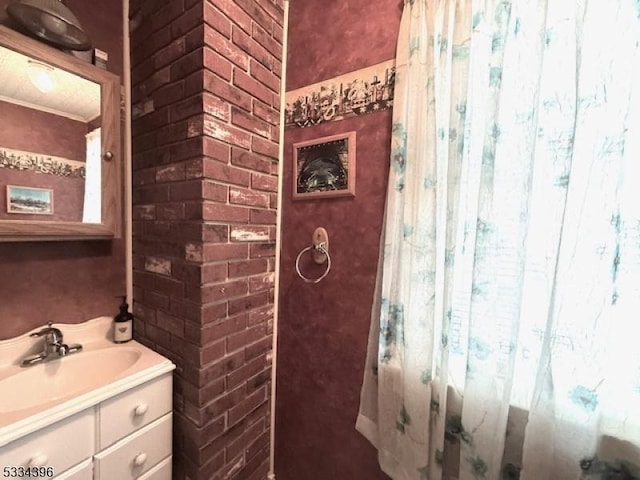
(127, 436)
(125, 413)
(82, 471)
(59, 446)
(134, 432)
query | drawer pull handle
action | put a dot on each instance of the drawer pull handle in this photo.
(140, 410)
(38, 461)
(140, 459)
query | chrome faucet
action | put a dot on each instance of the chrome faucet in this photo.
(53, 346)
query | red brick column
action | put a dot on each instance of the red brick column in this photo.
(205, 88)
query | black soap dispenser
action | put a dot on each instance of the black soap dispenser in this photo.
(123, 323)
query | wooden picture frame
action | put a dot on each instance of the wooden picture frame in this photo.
(325, 167)
(29, 200)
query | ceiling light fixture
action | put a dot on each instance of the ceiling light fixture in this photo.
(50, 21)
(42, 76)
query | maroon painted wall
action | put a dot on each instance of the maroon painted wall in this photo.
(48, 134)
(67, 282)
(40, 132)
(323, 328)
(68, 195)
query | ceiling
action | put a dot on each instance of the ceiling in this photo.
(73, 96)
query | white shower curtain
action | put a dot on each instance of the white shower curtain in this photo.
(505, 337)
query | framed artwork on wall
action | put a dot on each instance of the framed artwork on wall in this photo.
(29, 200)
(325, 167)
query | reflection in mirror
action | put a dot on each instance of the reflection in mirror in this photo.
(50, 145)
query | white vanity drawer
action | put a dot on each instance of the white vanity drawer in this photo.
(61, 445)
(127, 412)
(83, 471)
(136, 454)
(162, 471)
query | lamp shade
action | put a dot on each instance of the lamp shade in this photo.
(51, 21)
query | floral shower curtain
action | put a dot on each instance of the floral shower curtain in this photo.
(504, 336)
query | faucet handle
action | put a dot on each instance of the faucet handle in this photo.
(42, 331)
(48, 330)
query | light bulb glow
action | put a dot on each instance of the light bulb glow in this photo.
(41, 76)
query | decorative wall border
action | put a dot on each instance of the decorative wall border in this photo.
(40, 163)
(356, 93)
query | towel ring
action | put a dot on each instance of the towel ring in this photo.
(320, 253)
(317, 248)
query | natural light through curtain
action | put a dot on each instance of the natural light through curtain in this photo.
(510, 270)
(92, 212)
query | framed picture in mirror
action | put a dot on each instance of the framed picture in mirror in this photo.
(325, 167)
(29, 200)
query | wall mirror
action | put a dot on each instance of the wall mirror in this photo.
(59, 145)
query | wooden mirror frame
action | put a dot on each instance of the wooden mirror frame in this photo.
(31, 230)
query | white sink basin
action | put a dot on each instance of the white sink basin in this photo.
(34, 397)
(64, 377)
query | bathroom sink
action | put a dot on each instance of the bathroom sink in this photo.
(64, 377)
(41, 394)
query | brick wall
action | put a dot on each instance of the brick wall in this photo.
(205, 94)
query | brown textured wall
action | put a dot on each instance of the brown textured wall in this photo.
(323, 328)
(66, 282)
(45, 133)
(41, 132)
(68, 195)
(206, 83)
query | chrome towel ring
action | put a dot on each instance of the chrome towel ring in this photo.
(320, 252)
